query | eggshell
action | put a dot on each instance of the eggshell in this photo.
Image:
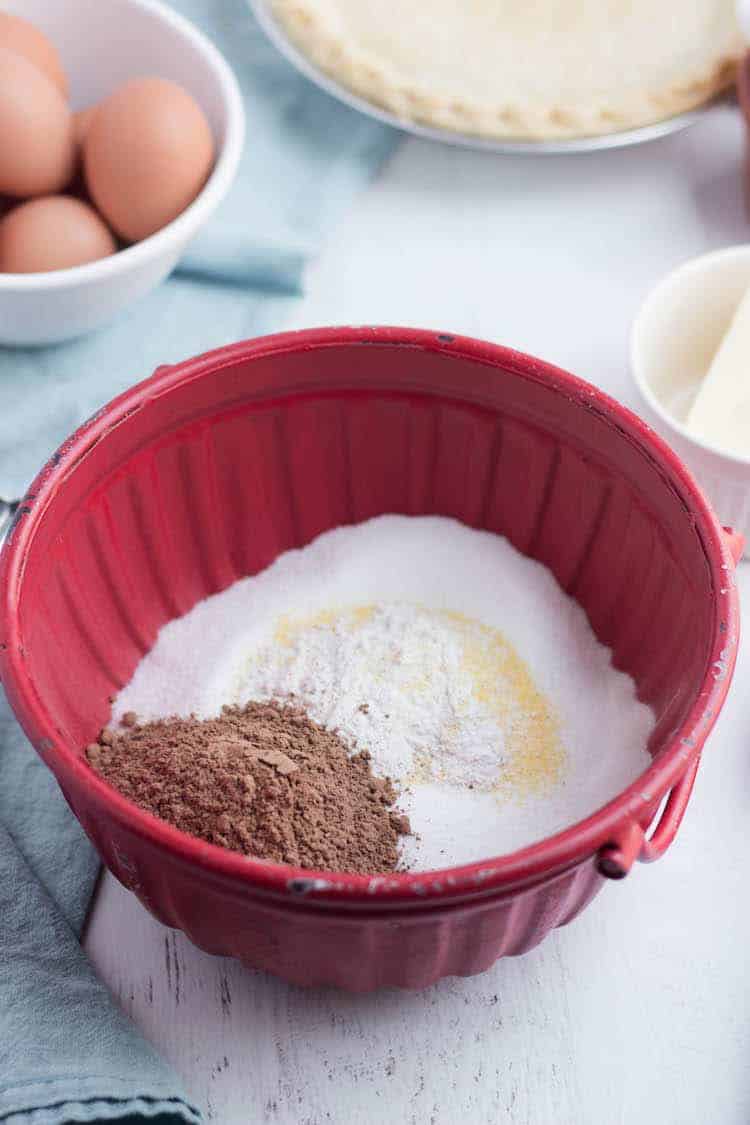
(52, 233)
(17, 34)
(37, 149)
(81, 121)
(147, 153)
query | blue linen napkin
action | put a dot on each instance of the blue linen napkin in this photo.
(67, 1053)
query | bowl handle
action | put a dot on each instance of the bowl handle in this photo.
(735, 543)
(7, 512)
(615, 859)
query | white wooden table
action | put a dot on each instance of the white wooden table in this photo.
(638, 1012)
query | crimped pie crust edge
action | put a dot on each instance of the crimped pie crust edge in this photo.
(366, 76)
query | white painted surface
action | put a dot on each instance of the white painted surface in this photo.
(638, 1012)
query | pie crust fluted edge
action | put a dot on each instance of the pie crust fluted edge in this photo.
(366, 76)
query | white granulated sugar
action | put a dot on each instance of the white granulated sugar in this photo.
(474, 681)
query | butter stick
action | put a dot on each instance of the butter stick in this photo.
(720, 413)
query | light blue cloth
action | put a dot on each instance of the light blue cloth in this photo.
(67, 1053)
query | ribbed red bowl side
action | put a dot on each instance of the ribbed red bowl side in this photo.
(211, 469)
(359, 949)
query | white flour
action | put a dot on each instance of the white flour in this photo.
(430, 693)
(460, 664)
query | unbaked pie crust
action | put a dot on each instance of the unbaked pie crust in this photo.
(522, 68)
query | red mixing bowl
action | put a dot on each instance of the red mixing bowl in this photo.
(210, 469)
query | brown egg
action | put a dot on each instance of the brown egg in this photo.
(19, 35)
(147, 153)
(37, 151)
(52, 233)
(81, 121)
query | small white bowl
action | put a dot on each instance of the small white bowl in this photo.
(674, 338)
(103, 43)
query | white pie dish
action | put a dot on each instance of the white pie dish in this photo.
(102, 45)
(282, 41)
(673, 340)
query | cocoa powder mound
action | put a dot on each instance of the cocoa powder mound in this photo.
(264, 780)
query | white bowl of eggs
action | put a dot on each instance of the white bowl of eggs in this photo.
(121, 128)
